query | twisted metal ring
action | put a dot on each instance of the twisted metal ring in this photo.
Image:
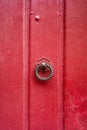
(38, 68)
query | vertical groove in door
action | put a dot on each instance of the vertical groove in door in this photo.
(26, 63)
(29, 63)
(64, 41)
(61, 40)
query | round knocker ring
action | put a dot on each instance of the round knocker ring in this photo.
(44, 68)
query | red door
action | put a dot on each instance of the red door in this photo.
(43, 65)
(75, 92)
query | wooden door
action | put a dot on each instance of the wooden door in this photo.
(46, 41)
(13, 80)
(76, 65)
(33, 31)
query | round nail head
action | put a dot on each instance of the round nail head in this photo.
(37, 17)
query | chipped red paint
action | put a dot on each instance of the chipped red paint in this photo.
(30, 30)
(76, 65)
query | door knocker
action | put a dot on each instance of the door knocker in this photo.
(43, 70)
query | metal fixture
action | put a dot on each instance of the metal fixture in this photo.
(44, 70)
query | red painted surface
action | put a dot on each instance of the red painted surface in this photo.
(46, 97)
(46, 107)
(12, 98)
(30, 30)
(76, 65)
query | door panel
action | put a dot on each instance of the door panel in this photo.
(12, 104)
(46, 40)
(76, 65)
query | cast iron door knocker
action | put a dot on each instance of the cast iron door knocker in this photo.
(44, 70)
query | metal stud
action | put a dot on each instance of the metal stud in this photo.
(37, 17)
